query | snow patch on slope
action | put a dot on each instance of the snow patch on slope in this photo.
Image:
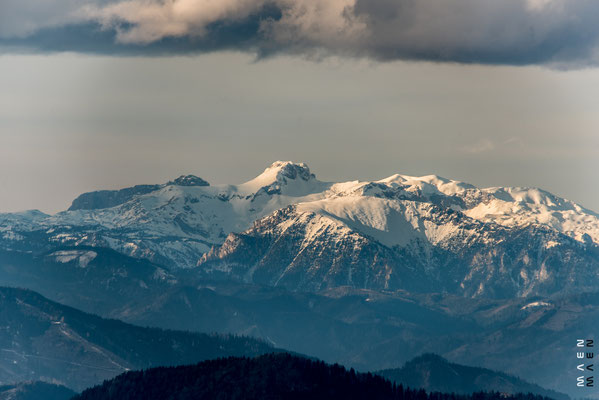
(66, 256)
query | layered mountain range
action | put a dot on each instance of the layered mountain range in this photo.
(44, 340)
(287, 228)
(368, 274)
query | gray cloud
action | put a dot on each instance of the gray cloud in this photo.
(558, 32)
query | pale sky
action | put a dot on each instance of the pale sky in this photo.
(72, 122)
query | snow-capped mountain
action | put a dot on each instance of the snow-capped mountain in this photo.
(446, 251)
(285, 227)
(173, 223)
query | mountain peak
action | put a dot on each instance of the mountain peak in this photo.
(189, 180)
(289, 169)
(280, 172)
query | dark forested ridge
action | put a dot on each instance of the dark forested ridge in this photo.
(434, 373)
(271, 376)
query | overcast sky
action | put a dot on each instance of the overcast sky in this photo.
(106, 94)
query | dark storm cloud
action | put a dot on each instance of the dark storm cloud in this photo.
(482, 31)
(558, 32)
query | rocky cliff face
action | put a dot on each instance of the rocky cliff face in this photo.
(307, 251)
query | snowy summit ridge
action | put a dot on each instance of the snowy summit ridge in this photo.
(357, 233)
(280, 174)
(287, 169)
